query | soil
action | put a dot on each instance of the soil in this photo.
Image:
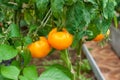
(106, 59)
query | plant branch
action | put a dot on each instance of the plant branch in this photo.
(44, 21)
(6, 35)
(65, 56)
(79, 58)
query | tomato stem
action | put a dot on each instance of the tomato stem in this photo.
(44, 21)
(79, 58)
(115, 21)
(6, 35)
(62, 20)
(66, 58)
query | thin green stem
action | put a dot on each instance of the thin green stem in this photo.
(115, 21)
(44, 21)
(66, 58)
(6, 35)
(79, 58)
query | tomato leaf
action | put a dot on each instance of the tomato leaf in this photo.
(108, 8)
(16, 63)
(1, 16)
(14, 31)
(42, 7)
(70, 2)
(104, 3)
(91, 1)
(3, 78)
(54, 73)
(27, 40)
(10, 72)
(78, 36)
(57, 8)
(32, 28)
(106, 25)
(85, 66)
(77, 17)
(63, 69)
(6, 3)
(95, 30)
(30, 73)
(23, 78)
(7, 52)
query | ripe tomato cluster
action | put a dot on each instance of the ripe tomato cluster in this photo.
(59, 40)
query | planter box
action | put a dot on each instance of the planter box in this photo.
(115, 39)
(93, 64)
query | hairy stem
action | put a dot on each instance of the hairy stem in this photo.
(66, 58)
(79, 58)
(6, 35)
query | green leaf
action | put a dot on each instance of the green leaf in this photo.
(57, 8)
(7, 52)
(1, 36)
(17, 43)
(30, 73)
(32, 28)
(108, 8)
(77, 37)
(27, 40)
(106, 25)
(42, 6)
(23, 78)
(95, 30)
(8, 4)
(70, 2)
(85, 66)
(53, 73)
(3, 78)
(2, 16)
(77, 17)
(10, 72)
(14, 31)
(91, 1)
(88, 33)
(86, 15)
(63, 69)
(16, 63)
(104, 3)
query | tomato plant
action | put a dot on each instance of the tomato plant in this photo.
(65, 24)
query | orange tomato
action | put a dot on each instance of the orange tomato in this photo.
(40, 48)
(99, 37)
(60, 39)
